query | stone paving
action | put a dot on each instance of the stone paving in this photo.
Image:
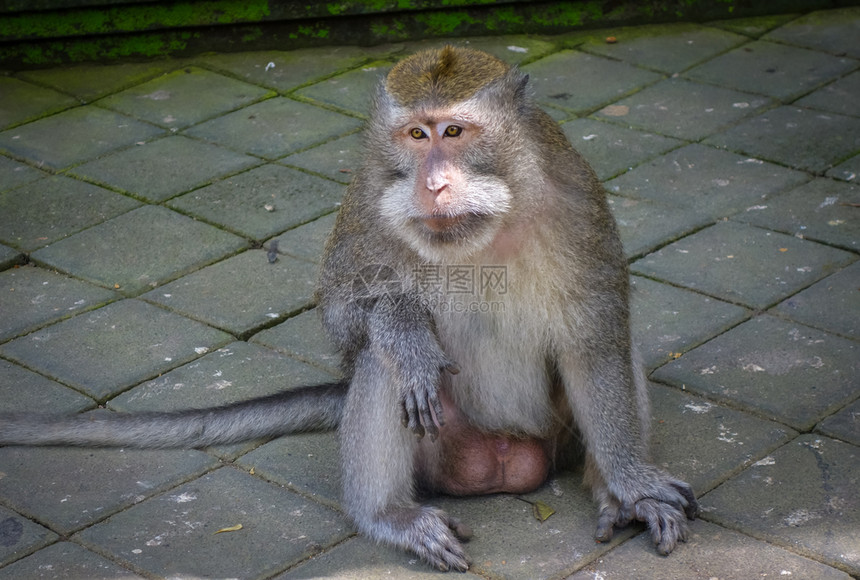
(138, 202)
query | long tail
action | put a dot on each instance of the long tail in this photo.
(314, 408)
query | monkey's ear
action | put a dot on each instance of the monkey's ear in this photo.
(523, 87)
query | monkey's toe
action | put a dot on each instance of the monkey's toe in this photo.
(667, 523)
(606, 524)
(434, 537)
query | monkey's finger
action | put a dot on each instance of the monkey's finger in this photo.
(691, 508)
(667, 523)
(452, 368)
(428, 421)
(438, 411)
(462, 531)
(410, 414)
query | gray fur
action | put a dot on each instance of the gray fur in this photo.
(294, 411)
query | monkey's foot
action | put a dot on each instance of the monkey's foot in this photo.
(665, 508)
(431, 534)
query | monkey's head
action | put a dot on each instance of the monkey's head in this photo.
(445, 136)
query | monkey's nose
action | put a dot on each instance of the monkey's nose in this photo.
(436, 186)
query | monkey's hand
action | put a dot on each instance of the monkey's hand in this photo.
(661, 501)
(421, 407)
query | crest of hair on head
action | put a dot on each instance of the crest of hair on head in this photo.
(443, 76)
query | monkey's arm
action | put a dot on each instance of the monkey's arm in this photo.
(367, 303)
(610, 408)
(401, 332)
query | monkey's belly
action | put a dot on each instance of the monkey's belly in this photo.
(503, 385)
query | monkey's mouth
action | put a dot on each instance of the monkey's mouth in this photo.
(452, 228)
(444, 223)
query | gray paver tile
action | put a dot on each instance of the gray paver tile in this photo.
(13, 174)
(611, 149)
(67, 561)
(308, 463)
(754, 26)
(848, 171)
(800, 138)
(821, 210)
(667, 321)
(303, 337)
(19, 535)
(9, 257)
(663, 197)
(23, 390)
(274, 128)
(44, 211)
(262, 202)
(844, 424)
(337, 159)
(831, 304)
(232, 373)
(184, 97)
(307, 241)
(164, 168)
(680, 108)
(514, 48)
(837, 97)
(361, 559)
(665, 47)
(704, 444)
(834, 31)
(74, 136)
(715, 183)
(21, 102)
(803, 497)
(72, 488)
(509, 542)
(710, 552)
(351, 91)
(241, 294)
(782, 370)
(110, 349)
(779, 71)
(173, 534)
(32, 297)
(140, 249)
(287, 70)
(645, 225)
(557, 80)
(93, 80)
(743, 264)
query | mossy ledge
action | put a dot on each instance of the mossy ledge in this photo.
(49, 32)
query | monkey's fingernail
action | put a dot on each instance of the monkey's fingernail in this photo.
(453, 368)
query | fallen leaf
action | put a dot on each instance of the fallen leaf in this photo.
(235, 528)
(542, 511)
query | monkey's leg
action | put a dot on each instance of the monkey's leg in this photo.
(607, 403)
(378, 471)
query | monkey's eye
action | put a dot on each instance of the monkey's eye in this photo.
(453, 131)
(417, 133)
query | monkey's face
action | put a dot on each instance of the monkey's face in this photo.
(447, 198)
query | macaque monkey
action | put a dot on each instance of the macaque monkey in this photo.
(462, 172)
